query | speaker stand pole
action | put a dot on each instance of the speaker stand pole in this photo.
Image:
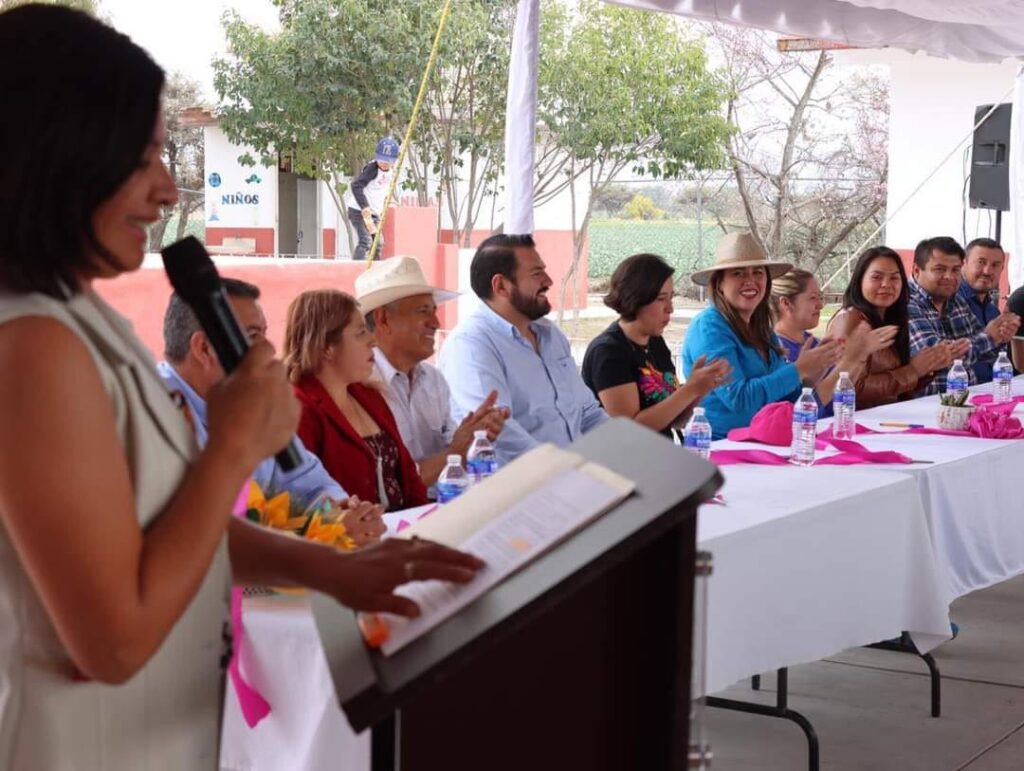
(999, 225)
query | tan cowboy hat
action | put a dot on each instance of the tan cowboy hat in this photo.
(394, 279)
(739, 250)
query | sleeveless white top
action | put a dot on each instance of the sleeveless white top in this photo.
(168, 715)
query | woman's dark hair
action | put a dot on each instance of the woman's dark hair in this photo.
(80, 102)
(896, 313)
(759, 333)
(636, 282)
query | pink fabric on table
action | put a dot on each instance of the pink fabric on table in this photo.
(991, 423)
(984, 399)
(849, 447)
(996, 424)
(849, 457)
(1006, 408)
(254, 706)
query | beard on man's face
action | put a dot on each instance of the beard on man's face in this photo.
(532, 306)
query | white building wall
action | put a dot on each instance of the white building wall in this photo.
(236, 195)
(932, 103)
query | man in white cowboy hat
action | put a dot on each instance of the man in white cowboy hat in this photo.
(401, 310)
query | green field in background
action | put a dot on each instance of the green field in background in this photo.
(612, 240)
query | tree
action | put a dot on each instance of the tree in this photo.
(339, 75)
(460, 138)
(612, 199)
(342, 73)
(621, 89)
(640, 207)
(809, 150)
(183, 151)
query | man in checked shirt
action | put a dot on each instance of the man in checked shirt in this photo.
(938, 314)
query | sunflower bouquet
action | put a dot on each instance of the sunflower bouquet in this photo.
(315, 522)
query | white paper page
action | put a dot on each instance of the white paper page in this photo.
(456, 521)
(532, 525)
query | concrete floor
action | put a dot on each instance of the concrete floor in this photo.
(871, 708)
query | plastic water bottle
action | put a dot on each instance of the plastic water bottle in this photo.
(697, 434)
(805, 428)
(453, 480)
(1002, 376)
(956, 380)
(481, 460)
(844, 407)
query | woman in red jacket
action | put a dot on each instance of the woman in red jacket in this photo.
(329, 355)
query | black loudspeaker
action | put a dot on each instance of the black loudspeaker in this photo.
(990, 159)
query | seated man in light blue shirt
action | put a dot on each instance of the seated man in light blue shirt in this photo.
(506, 345)
(192, 369)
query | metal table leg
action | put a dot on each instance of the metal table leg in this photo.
(780, 710)
(906, 645)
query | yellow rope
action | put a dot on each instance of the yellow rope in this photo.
(408, 132)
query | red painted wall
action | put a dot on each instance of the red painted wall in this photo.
(142, 296)
(264, 237)
(330, 242)
(556, 249)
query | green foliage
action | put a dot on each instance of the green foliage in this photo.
(461, 131)
(954, 399)
(640, 207)
(623, 87)
(338, 75)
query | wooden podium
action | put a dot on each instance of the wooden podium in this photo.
(580, 661)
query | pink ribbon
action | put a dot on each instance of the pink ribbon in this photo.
(986, 399)
(254, 706)
(850, 454)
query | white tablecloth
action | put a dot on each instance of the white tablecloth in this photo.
(969, 491)
(810, 561)
(306, 729)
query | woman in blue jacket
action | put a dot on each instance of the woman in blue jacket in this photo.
(738, 327)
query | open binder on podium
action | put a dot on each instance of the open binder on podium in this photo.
(576, 656)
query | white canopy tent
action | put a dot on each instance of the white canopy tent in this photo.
(970, 30)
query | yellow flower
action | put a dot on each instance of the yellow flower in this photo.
(331, 534)
(274, 513)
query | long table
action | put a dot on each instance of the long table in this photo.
(811, 561)
(807, 562)
(970, 491)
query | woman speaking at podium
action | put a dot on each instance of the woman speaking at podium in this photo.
(114, 555)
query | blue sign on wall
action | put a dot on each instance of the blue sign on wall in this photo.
(214, 179)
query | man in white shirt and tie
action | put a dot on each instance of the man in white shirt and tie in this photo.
(401, 310)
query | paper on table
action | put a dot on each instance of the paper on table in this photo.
(524, 530)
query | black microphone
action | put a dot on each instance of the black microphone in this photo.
(196, 281)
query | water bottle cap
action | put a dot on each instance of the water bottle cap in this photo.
(698, 412)
(454, 460)
(806, 391)
(958, 362)
(843, 373)
(482, 434)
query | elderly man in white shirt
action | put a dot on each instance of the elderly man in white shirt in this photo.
(401, 310)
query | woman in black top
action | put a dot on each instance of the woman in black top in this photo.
(629, 366)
